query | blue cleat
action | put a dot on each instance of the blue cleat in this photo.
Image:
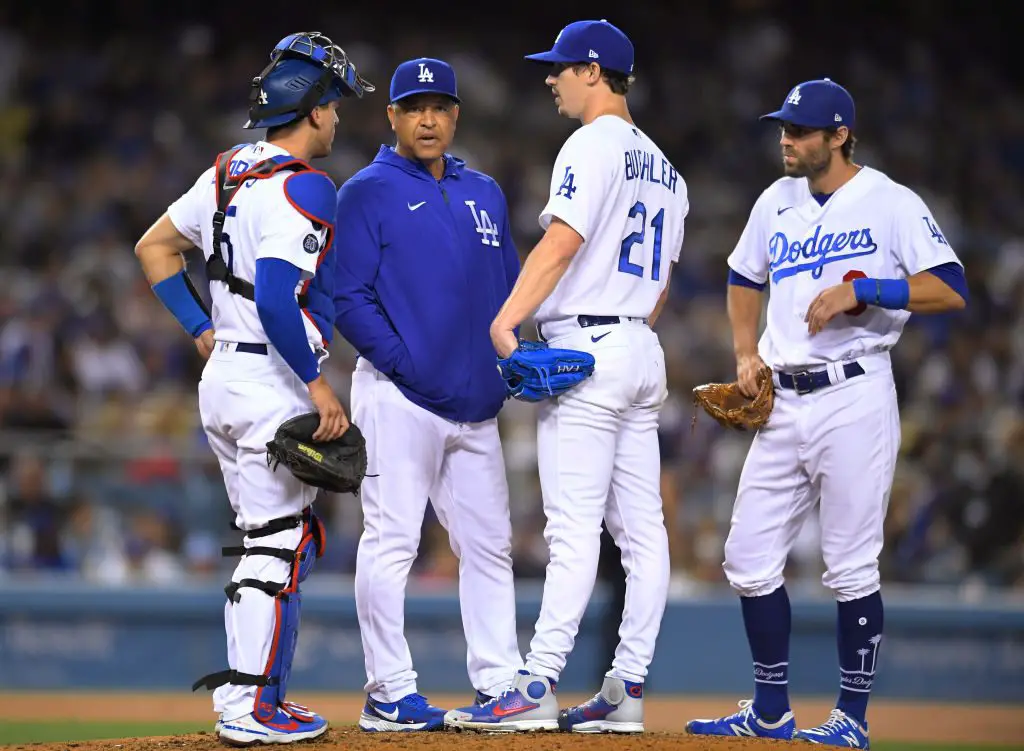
(747, 722)
(412, 712)
(291, 724)
(838, 730)
(529, 704)
(617, 708)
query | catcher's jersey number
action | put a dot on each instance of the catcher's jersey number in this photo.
(637, 238)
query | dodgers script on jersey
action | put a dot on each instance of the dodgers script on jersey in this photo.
(260, 223)
(871, 227)
(615, 187)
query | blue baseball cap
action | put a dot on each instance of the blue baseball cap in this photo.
(817, 104)
(424, 75)
(590, 42)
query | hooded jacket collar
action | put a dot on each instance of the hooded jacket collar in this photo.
(453, 166)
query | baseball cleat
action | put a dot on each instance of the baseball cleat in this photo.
(617, 708)
(838, 730)
(286, 727)
(412, 712)
(746, 722)
(528, 704)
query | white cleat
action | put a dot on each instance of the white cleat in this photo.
(528, 705)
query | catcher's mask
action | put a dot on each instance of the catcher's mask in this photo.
(306, 70)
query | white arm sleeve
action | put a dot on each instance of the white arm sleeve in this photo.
(750, 258)
(919, 243)
(579, 184)
(290, 236)
(188, 213)
(684, 210)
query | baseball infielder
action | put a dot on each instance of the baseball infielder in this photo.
(849, 255)
(264, 220)
(613, 228)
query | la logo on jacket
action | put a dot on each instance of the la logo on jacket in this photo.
(487, 229)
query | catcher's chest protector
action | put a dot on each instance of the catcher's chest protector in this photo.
(226, 188)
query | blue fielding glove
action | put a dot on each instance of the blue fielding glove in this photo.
(535, 372)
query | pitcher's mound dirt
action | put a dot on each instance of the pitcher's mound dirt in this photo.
(351, 738)
(664, 717)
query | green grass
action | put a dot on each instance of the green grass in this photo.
(70, 730)
(34, 732)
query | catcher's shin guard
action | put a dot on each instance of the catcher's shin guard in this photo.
(286, 597)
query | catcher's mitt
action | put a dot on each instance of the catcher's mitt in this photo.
(338, 465)
(535, 371)
(725, 403)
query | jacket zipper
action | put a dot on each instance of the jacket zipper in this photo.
(459, 249)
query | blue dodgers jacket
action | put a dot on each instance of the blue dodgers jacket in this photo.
(422, 267)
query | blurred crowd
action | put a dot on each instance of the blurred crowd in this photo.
(104, 471)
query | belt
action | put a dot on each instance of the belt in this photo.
(805, 382)
(252, 349)
(586, 321)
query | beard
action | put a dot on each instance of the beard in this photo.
(815, 163)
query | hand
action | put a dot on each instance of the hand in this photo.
(828, 304)
(747, 368)
(204, 343)
(333, 420)
(504, 340)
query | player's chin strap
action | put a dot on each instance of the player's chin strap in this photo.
(273, 682)
(217, 270)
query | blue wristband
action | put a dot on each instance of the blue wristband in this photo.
(893, 294)
(176, 295)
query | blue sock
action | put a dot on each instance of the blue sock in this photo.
(767, 620)
(859, 635)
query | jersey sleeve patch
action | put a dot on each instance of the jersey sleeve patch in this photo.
(313, 195)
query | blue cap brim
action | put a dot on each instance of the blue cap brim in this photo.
(784, 117)
(550, 57)
(414, 92)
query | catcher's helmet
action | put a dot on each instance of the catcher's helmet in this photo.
(306, 70)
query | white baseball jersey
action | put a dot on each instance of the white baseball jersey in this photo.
(871, 227)
(261, 223)
(615, 187)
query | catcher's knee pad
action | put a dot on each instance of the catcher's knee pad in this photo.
(272, 683)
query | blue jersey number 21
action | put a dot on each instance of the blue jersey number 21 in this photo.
(634, 238)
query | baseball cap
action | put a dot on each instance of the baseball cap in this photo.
(817, 104)
(590, 42)
(424, 75)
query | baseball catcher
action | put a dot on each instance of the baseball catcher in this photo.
(535, 371)
(727, 404)
(338, 466)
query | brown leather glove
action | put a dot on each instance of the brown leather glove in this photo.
(729, 407)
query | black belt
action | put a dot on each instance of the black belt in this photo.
(805, 382)
(586, 321)
(252, 349)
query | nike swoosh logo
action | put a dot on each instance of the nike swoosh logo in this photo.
(290, 725)
(393, 716)
(779, 212)
(414, 206)
(596, 339)
(500, 711)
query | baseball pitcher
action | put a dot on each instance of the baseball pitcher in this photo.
(848, 254)
(264, 219)
(596, 281)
